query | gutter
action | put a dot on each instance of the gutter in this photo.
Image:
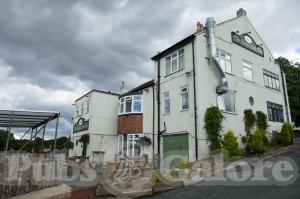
(195, 102)
(223, 83)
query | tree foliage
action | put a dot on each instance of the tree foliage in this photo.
(213, 125)
(292, 72)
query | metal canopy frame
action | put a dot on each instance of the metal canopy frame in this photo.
(34, 121)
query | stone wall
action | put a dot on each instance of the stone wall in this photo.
(24, 172)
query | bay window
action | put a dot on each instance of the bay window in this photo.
(130, 104)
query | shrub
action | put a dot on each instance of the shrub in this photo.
(287, 134)
(213, 125)
(183, 163)
(69, 144)
(174, 173)
(230, 144)
(249, 120)
(244, 139)
(257, 142)
(156, 176)
(261, 121)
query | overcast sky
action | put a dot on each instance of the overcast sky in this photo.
(54, 51)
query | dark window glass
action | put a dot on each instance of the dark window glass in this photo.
(275, 112)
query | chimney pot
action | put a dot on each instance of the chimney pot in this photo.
(241, 12)
(200, 27)
(123, 88)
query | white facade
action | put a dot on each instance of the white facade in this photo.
(101, 110)
(240, 84)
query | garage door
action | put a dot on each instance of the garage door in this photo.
(175, 148)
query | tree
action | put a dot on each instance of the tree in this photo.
(292, 72)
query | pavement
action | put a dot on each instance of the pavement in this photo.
(249, 189)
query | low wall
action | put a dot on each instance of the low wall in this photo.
(24, 172)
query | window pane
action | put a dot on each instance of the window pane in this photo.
(137, 97)
(228, 66)
(220, 102)
(181, 62)
(266, 80)
(168, 59)
(270, 81)
(247, 73)
(181, 52)
(137, 106)
(125, 143)
(168, 68)
(167, 103)
(185, 100)
(229, 102)
(174, 65)
(136, 145)
(277, 84)
(222, 64)
(128, 106)
(122, 107)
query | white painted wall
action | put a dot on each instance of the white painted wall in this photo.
(206, 82)
(103, 114)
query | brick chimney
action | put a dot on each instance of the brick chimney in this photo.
(200, 27)
(241, 12)
(123, 88)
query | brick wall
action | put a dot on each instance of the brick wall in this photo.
(130, 124)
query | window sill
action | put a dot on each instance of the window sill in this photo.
(229, 74)
(122, 114)
(174, 72)
(184, 110)
(272, 89)
(228, 112)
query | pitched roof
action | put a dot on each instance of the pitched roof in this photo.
(139, 88)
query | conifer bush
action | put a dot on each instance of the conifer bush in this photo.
(287, 134)
(230, 143)
(213, 125)
(257, 142)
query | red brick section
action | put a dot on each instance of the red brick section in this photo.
(130, 124)
(87, 193)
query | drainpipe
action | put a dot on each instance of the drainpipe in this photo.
(285, 95)
(195, 102)
(223, 83)
(153, 121)
(158, 112)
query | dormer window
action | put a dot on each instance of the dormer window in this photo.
(130, 104)
(175, 62)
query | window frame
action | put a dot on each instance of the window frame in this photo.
(275, 112)
(181, 98)
(234, 102)
(175, 58)
(275, 80)
(130, 139)
(133, 100)
(245, 65)
(169, 100)
(226, 61)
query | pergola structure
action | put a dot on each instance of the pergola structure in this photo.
(34, 121)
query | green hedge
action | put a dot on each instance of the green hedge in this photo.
(257, 142)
